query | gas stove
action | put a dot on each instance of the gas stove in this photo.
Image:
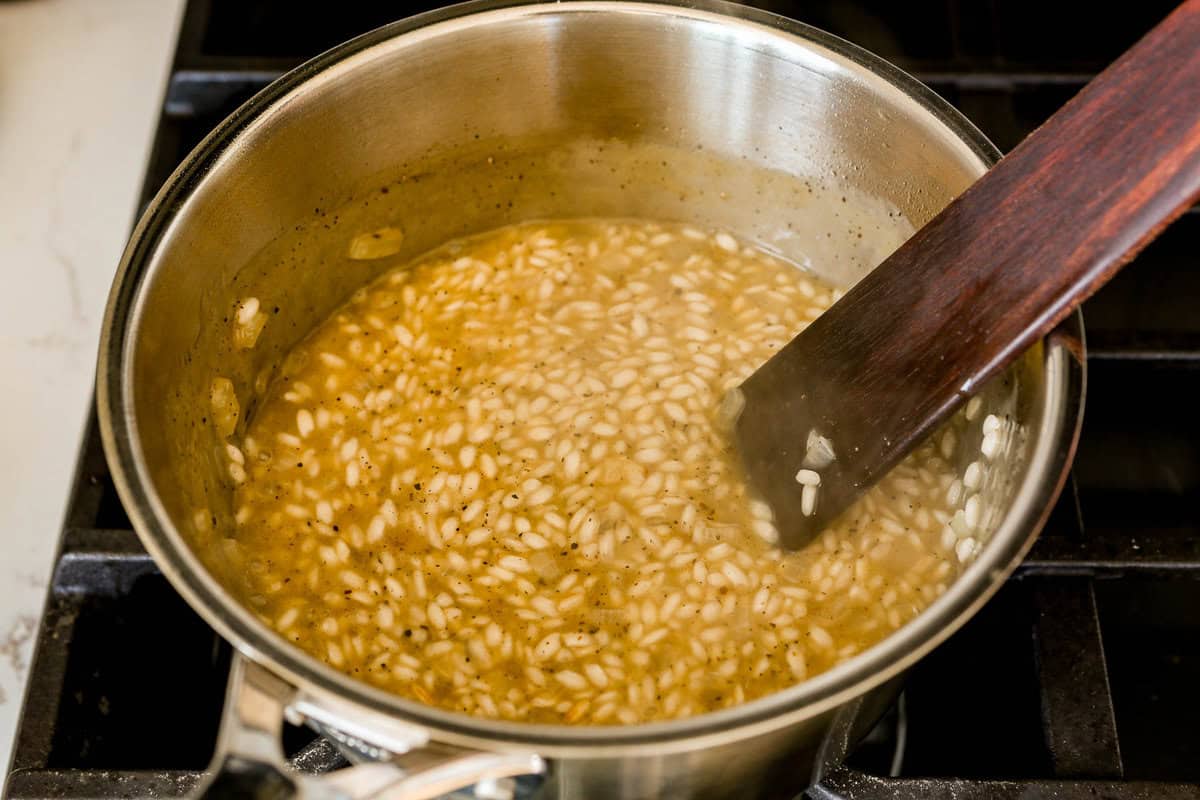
(1080, 679)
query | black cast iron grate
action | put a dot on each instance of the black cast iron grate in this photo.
(1081, 679)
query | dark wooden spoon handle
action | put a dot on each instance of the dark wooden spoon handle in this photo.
(994, 272)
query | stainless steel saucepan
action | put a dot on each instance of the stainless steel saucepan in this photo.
(478, 116)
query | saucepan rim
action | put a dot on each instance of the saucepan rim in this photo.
(1054, 445)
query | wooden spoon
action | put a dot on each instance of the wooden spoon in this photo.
(995, 271)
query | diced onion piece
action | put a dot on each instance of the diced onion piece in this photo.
(225, 406)
(376, 244)
(731, 408)
(818, 451)
(545, 565)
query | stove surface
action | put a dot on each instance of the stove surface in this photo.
(1081, 679)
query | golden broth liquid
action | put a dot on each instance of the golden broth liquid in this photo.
(496, 481)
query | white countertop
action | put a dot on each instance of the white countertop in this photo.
(81, 84)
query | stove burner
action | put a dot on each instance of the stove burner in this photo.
(1080, 679)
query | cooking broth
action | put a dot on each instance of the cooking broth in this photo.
(497, 481)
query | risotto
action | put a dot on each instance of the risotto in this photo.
(497, 481)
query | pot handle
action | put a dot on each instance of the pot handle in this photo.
(249, 763)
